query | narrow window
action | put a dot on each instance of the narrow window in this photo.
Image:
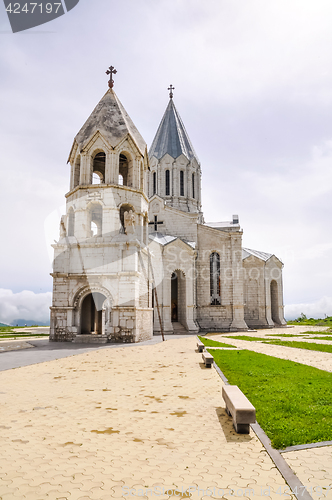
(154, 183)
(215, 279)
(181, 183)
(167, 182)
(120, 180)
(193, 184)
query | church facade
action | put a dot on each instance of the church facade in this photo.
(135, 255)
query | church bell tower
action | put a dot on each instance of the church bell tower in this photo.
(101, 277)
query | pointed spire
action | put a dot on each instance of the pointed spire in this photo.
(111, 119)
(171, 137)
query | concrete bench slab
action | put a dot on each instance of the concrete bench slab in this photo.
(239, 407)
(208, 359)
(200, 346)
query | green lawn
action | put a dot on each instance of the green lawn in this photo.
(7, 332)
(213, 343)
(303, 320)
(293, 401)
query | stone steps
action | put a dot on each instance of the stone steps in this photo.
(90, 339)
(178, 328)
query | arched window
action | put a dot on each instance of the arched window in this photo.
(215, 279)
(193, 184)
(98, 170)
(167, 184)
(181, 183)
(96, 219)
(154, 186)
(71, 222)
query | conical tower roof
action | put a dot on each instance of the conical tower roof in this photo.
(172, 137)
(113, 122)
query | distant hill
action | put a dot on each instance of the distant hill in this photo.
(4, 324)
(23, 322)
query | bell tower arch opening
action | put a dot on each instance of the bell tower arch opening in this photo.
(98, 168)
(125, 169)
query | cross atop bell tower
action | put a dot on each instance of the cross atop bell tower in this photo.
(111, 71)
(171, 88)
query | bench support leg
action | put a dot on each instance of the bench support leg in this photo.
(242, 428)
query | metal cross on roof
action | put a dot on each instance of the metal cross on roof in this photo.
(111, 71)
(171, 88)
(155, 223)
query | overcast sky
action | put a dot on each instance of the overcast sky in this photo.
(253, 85)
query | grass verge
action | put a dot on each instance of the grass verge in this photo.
(213, 343)
(293, 401)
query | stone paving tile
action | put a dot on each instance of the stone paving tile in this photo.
(314, 469)
(88, 426)
(14, 345)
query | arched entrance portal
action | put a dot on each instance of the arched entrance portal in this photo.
(274, 302)
(92, 314)
(178, 298)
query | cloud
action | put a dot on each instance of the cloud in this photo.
(24, 305)
(319, 309)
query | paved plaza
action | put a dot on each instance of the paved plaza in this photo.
(141, 421)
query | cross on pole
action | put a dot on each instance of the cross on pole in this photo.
(111, 71)
(155, 223)
(171, 88)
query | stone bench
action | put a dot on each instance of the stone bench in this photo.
(208, 359)
(200, 346)
(239, 407)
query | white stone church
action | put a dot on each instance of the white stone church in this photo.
(135, 255)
